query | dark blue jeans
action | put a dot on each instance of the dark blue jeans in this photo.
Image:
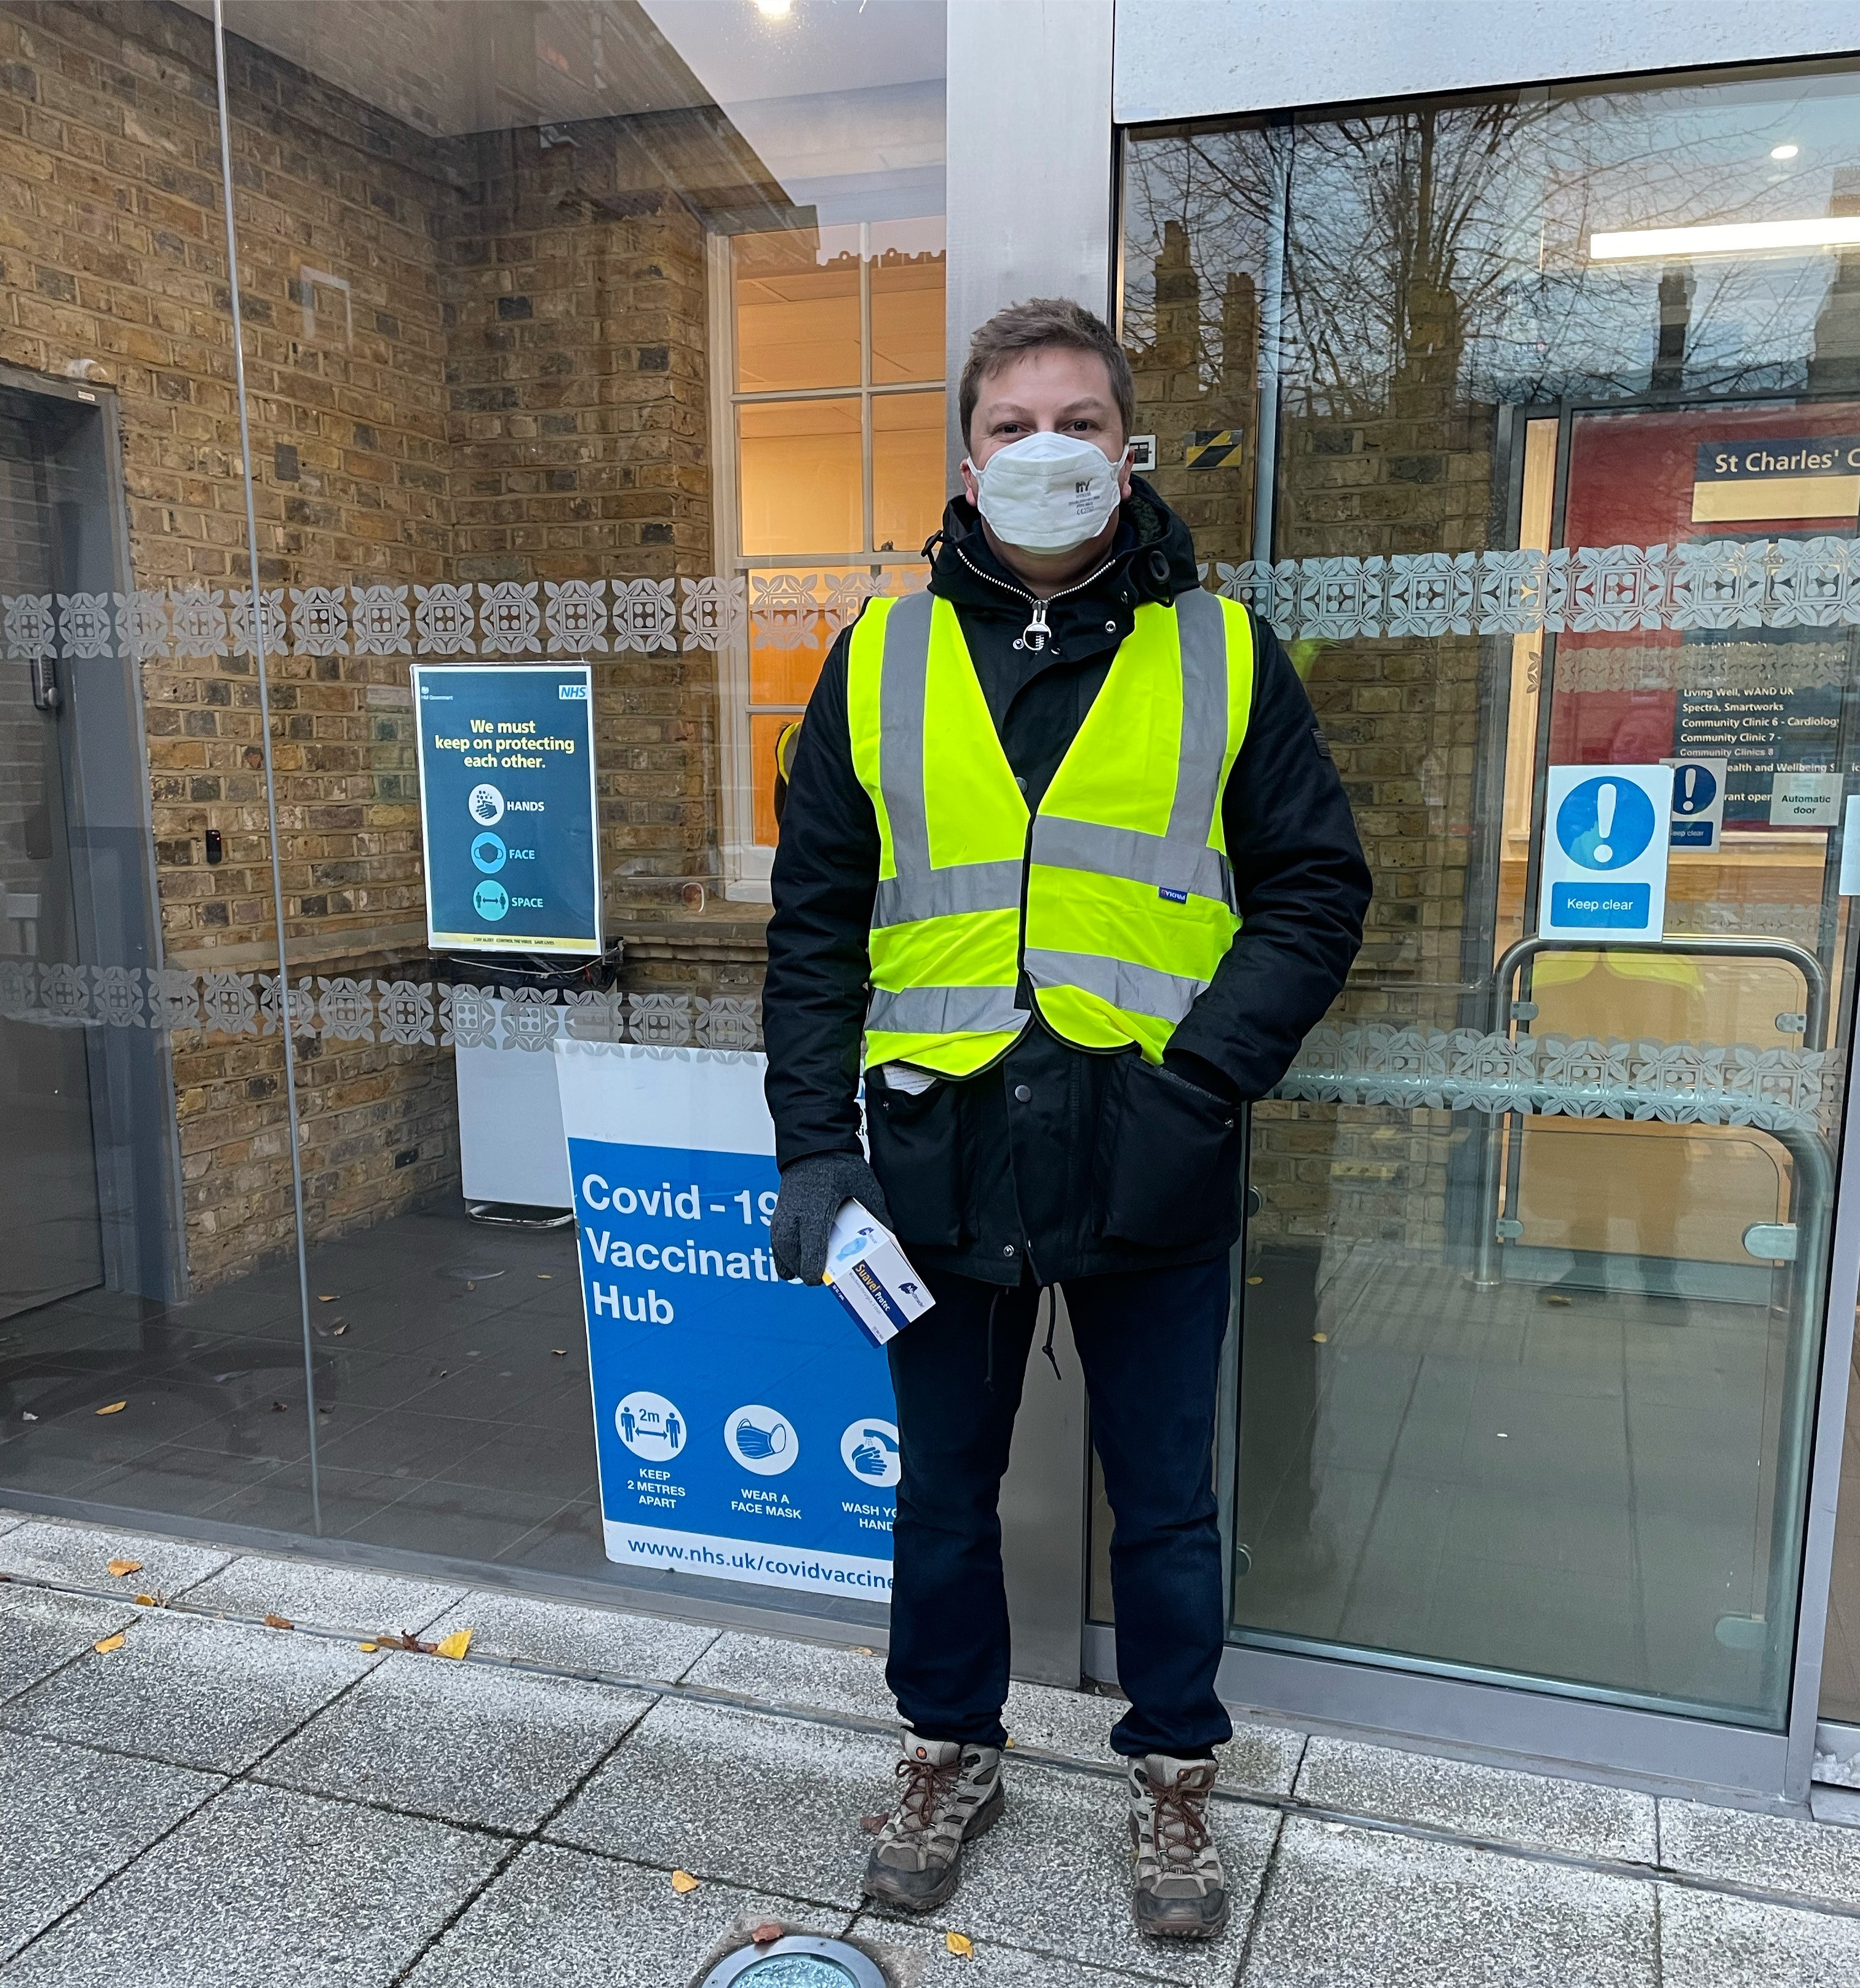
(1150, 1343)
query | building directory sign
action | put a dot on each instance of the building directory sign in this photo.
(1606, 833)
(745, 1427)
(508, 820)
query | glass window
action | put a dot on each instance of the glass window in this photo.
(1527, 420)
(570, 335)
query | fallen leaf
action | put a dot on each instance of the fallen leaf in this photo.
(112, 1408)
(398, 1639)
(1320, 1339)
(28, 1417)
(959, 1944)
(1553, 1299)
(1010, 1739)
(120, 1567)
(767, 1931)
(862, 1650)
(339, 1328)
(370, 1647)
(1255, 1281)
(454, 1645)
(546, 1276)
(277, 1407)
(149, 1601)
(561, 1352)
(279, 1622)
(110, 1643)
(327, 1297)
(683, 1881)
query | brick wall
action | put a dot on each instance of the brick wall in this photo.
(468, 360)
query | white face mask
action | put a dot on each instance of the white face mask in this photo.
(1047, 492)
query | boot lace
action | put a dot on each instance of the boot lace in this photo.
(926, 1786)
(1181, 1823)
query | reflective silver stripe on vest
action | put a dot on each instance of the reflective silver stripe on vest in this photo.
(945, 1011)
(935, 894)
(1187, 865)
(901, 686)
(1138, 990)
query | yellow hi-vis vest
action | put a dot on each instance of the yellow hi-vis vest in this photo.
(1115, 896)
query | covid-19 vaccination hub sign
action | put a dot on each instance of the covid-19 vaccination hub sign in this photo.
(745, 1427)
(507, 814)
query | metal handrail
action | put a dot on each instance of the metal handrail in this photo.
(1810, 1192)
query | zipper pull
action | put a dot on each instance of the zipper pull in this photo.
(1034, 636)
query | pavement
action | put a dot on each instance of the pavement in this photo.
(213, 1767)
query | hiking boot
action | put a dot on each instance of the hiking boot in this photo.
(951, 1794)
(1180, 1891)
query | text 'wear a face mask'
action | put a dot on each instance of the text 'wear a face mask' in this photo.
(1046, 493)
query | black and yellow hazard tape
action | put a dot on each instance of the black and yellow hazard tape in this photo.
(1208, 448)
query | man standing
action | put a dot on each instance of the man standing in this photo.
(1066, 869)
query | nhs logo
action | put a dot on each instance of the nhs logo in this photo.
(572, 693)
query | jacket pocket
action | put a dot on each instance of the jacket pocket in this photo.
(1168, 1160)
(916, 1144)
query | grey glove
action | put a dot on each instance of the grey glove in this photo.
(812, 1191)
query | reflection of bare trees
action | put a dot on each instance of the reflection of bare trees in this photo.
(1454, 239)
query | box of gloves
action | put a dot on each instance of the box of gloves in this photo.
(872, 1277)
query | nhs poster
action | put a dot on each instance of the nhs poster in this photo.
(507, 817)
(745, 1427)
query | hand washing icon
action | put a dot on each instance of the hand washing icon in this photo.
(761, 1439)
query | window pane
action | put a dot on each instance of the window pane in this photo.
(799, 465)
(907, 469)
(797, 308)
(786, 676)
(907, 330)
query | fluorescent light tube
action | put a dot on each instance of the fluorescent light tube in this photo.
(1734, 237)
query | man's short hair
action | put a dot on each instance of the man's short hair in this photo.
(1031, 325)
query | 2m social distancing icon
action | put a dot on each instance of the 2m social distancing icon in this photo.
(1605, 840)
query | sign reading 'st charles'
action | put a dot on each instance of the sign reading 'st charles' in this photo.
(507, 816)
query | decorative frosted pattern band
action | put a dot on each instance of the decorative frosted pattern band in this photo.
(1585, 589)
(1458, 1070)
(1462, 1069)
(344, 1008)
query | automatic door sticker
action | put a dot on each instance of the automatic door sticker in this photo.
(650, 1426)
(486, 803)
(1604, 824)
(869, 1450)
(761, 1440)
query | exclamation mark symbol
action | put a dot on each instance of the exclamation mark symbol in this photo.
(1605, 821)
(1691, 781)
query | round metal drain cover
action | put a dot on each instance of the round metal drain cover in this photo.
(795, 1960)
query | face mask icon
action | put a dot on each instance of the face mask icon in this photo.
(755, 1441)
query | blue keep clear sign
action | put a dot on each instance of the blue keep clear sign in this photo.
(507, 812)
(1606, 833)
(745, 1427)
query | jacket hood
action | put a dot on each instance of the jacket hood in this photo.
(1153, 554)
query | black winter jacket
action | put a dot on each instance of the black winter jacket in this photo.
(1058, 1162)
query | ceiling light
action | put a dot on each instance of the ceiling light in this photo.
(1736, 237)
(1784, 151)
(775, 10)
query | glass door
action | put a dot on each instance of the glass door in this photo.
(1532, 471)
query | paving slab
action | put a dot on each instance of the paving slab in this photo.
(1052, 1877)
(1078, 1723)
(576, 1639)
(1347, 1907)
(918, 1957)
(264, 1884)
(1709, 1941)
(769, 1805)
(9, 1519)
(70, 1817)
(558, 1916)
(325, 1593)
(1579, 1817)
(193, 1691)
(471, 1743)
(79, 1556)
(783, 1672)
(40, 1631)
(1769, 1852)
